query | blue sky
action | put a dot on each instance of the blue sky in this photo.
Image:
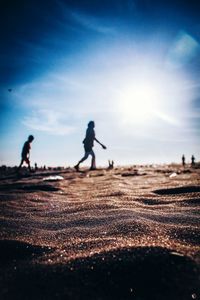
(132, 66)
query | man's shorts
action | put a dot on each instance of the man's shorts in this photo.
(88, 148)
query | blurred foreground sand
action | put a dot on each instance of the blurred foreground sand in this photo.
(108, 234)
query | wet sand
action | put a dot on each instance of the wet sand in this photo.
(128, 233)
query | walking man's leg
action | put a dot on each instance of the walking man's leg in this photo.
(21, 163)
(82, 159)
(93, 162)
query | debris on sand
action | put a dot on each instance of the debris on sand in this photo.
(174, 174)
(53, 178)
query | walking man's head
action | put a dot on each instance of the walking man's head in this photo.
(30, 138)
(91, 124)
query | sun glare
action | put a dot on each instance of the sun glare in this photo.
(154, 97)
(139, 102)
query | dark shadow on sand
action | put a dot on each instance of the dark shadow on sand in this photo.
(11, 250)
(154, 202)
(146, 273)
(187, 235)
(28, 187)
(178, 190)
(129, 174)
(192, 201)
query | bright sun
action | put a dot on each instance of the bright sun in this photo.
(139, 103)
(153, 97)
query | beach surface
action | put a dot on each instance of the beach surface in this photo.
(126, 233)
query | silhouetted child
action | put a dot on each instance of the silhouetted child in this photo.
(192, 160)
(26, 152)
(88, 145)
(183, 160)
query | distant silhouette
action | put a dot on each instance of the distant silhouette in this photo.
(88, 145)
(36, 167)
(10, 90)
(110, 164)
(183, 160)
(26, 152)
(192, 160)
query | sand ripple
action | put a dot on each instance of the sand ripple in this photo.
(117, 234)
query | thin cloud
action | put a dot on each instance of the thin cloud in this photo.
(47, 121)
(84, 20)
(167, 118)
(92, 23)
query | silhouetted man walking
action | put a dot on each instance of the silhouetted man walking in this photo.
(88, 145)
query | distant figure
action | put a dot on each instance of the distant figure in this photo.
(192, 161)
(26, 152)
(36, 167)
(10, 90)
(110, 165)
(88, 145)
(183, 160)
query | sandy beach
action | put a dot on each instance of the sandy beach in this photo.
(127, 233)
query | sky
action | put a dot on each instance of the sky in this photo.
(132, 66)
